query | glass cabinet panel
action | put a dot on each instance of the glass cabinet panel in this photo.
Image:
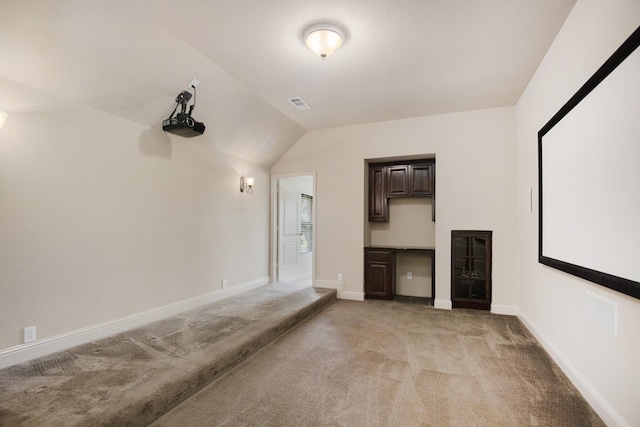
(478, 289)
(462, 288)
(478, 267)
(461, 246)
(478, 247)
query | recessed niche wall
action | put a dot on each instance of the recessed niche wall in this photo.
(409, 224)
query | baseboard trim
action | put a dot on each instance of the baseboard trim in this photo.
(508, 310)
(24, 352)
(588, 391)
(443, 304)
(352, 296)
(328, 284)
(339, 287)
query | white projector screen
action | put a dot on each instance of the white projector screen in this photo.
(589, 177)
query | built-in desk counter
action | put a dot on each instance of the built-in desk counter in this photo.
(380, 269)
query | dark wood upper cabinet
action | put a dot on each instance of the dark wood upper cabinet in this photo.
(414, 180)
(406, 179)
(398, 181)
(421, 180)
(378, 211)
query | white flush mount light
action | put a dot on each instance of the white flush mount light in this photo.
(323, 39)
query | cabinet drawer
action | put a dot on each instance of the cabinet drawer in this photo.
(379, 256)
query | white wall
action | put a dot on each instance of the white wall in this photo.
(409, 224)
(554, 304)
(102, 218)
(475, 184)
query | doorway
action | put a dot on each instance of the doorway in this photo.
(294, 229)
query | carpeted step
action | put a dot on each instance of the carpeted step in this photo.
(134, 377)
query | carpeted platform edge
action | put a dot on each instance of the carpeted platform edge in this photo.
(169, 395)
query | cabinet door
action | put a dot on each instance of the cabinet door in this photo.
(378, 211)
(471, 269)
(421, 180)
(398, 181)
(379, 281)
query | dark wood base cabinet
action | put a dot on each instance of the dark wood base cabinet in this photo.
(380, 270)
(380, 273)
(471, 269)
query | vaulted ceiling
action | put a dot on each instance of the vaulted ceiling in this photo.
(401, 58)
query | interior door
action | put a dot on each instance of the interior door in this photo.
(288, 231)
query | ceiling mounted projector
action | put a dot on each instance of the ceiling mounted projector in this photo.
(182, 123)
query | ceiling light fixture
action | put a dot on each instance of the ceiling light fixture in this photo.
(323, 39)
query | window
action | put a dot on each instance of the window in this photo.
(306, 223)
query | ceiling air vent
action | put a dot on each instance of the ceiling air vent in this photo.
(299, 103)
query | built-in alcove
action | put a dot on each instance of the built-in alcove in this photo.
(413, 274)
(409, 224)
(402, 226)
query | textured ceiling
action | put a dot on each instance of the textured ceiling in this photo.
(402, 58)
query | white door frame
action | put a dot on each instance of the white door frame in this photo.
(274, 223)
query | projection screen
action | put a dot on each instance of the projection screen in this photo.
(589, 177)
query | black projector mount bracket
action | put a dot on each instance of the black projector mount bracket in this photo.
(182, 123)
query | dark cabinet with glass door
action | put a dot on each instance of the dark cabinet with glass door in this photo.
(471, 269)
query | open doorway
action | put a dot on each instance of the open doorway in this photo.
(294, 229)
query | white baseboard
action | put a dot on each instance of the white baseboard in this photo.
(352, 296)
(339, 286)
(328, 284)
(509, 310)
(591, 395)
(443, 304)
(25, 352)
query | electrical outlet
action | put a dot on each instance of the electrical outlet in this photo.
(409, 275)
(339, 277)
(29, 334)
(194, 84)
(224, 284)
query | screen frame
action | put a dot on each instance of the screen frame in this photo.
(620, 284)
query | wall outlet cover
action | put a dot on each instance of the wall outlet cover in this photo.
(29, 334)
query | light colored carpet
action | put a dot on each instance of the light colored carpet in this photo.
(382, 363)
(132, 378)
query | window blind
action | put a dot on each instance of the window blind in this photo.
(306, 223)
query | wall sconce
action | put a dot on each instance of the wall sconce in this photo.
(3, 117)
(246, 183)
